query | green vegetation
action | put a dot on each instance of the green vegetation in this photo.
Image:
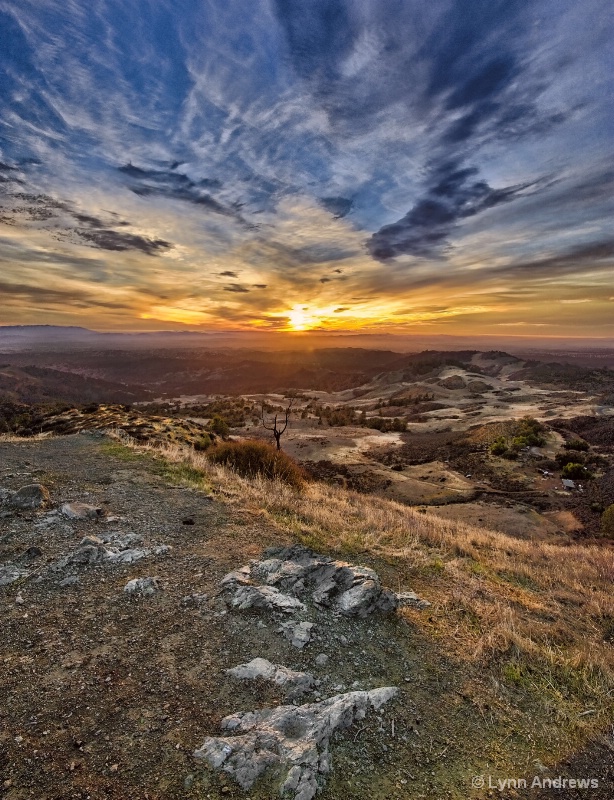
(607, 522)
(528, 432)
(204, 443)
(576, 444)
(251, 459)
(219, 426)
(575, 471)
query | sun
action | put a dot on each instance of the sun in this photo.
(299, 318)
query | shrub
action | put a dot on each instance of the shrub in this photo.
(564, 458)
(576, 444)
(607, 521)
(498, 447)
(220, 426)
(204, 443)
(572, 470)
(258, 458)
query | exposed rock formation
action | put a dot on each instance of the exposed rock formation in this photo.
(286, 574)
(294, 739)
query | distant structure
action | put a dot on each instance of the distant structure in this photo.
(567, 484)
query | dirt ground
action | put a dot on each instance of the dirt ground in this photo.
(107, 696)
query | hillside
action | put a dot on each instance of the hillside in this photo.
(502, 663)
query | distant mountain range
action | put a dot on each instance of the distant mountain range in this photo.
(50, 337)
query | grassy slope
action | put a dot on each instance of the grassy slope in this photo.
(525, 626)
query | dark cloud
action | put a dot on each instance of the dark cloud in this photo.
(454, 195)
(107, 239)
(237, 288)
(578, 259)
(340, 309)
(47, 296)
(228, 274)
(29, 207)
(325, 280)
(177, 186)
(338, 206)
(260, 285)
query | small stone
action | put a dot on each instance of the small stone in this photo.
(322, 660)
(143, 586)
(298, 634)
(19, 600)
(29, 497)
(81, 511)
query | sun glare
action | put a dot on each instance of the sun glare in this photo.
(299, 319)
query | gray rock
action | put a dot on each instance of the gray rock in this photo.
(411, 600)
(28, 498)
(9, 573)
(322, 660)
(294, 740)
(143, 586)
(81, 511)
(267, 598)
(292, 682)
(300, 573)
(71, 580)
(298, 633)
(84, 555)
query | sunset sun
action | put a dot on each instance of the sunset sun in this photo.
(300, 319)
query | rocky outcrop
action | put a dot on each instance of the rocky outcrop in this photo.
(287, 578)
(110, 549)
(293, 683)
(293, 740)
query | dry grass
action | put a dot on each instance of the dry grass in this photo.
(535, 613)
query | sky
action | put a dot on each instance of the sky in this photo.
(441, 167)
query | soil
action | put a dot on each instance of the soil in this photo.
(108, 695)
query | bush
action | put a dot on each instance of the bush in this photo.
(607, 521)
(576, 444)
(258, 458)
(204, 443)
(220, 426)
(498, 447)
(564, 458)
(575, 471)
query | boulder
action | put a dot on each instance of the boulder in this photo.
(291, 740)
(292, 682)
(28, 498)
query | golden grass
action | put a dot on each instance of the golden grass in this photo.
(535, 611)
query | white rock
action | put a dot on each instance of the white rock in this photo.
(142, 586)
(294, 739)
(81, 511)
(292, 682)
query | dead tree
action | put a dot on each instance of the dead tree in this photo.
(275, 426)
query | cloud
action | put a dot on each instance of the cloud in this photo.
(454, 195)
(237, 288)
(115, 240)
(228, 274)
(338, 206)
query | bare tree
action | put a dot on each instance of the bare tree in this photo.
(275, 426)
